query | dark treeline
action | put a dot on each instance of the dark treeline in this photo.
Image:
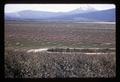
(80, 50)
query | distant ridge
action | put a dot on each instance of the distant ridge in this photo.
(77, 15)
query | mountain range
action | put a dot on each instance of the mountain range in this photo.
(77, 15)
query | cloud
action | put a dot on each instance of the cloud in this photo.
(54, 7)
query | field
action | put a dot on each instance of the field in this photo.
(21, 37)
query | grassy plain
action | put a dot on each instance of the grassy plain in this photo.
(22, 36)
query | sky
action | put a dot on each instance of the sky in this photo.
(9, 8)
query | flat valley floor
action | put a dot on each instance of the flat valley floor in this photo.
(26, 54)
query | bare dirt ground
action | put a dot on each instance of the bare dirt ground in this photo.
(24, 38)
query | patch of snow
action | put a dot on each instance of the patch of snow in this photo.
(99, 22)
(37, 50)
(96, 53)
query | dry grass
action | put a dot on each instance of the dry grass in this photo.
(23, 36)
(58, 65)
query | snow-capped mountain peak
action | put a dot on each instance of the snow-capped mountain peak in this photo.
(84, 9)
(87, 8)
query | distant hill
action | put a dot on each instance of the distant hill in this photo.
(28, 14)
(104, 16)
(75, 15)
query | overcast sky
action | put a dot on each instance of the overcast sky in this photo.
(54, 7)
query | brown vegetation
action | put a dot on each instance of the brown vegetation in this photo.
(23, 36)
(58, 65)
